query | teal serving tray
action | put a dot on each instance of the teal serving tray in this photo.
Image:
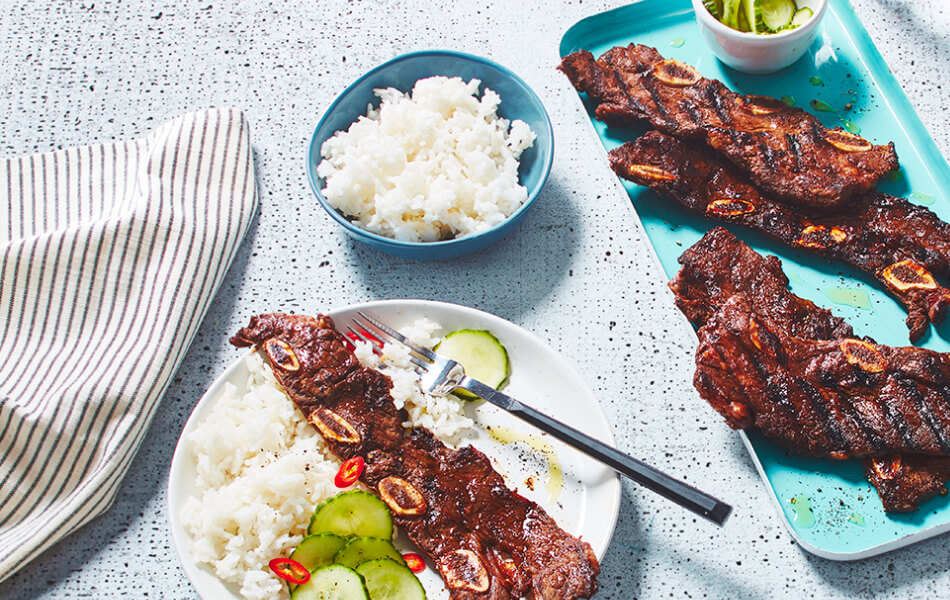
(829, 506)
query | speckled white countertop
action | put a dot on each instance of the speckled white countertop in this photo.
(578, 272)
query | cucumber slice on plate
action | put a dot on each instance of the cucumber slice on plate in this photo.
(362, 549)
(776, 14)
(801, 17)
(482, 355)
(353, 513)
(386, 579)
(333, 582)
(317, 550)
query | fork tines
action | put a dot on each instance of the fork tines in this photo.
(375, 333)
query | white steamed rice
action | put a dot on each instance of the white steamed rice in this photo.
(262, 469)
(429, 165)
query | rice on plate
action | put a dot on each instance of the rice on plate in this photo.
(434, 164)
(262, 468)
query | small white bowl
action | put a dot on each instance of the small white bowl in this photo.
(759, 53)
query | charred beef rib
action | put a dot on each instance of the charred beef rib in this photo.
(487, 541)
(838, 398)
(784, 150)
(705, 184)
(719, 267)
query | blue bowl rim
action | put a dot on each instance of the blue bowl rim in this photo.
(391, 242)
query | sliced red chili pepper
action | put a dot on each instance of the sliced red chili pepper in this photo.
(350, 471)
(367, 335)
(415, 562)
(289, 570)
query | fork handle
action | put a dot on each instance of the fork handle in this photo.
(685, 495)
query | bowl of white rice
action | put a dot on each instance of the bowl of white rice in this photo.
(432, 155)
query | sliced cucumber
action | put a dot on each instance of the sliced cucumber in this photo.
(776, 14)
(333, 582)
(482, 355)
(353, 513)
(362, 549)
(317, 550)
(730, 13)
(714, 7)
(801, 17)
(387, 579)
(743, 18)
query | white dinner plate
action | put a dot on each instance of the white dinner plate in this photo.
(588, 503)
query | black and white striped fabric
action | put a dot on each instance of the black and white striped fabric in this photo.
(109, 258)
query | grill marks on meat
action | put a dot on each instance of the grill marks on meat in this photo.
(915, 229)
(784, 150)
(720, 267)
(487, 541)
(703, 183)
(836, 398)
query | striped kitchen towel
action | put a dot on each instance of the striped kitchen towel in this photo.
(109, 258)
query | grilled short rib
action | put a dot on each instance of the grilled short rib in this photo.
(719, 267)
(487, 541)
(903, 481)
(784, 150)
(838, 398)
(698, 179)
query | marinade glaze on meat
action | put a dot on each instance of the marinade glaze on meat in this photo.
(709, 186)
(720, 267)
(487, 541)
(836, 398)
(784, 150)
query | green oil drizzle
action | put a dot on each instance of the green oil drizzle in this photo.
(804, 516)
(922, 198)
(822, 106)
(678, 42)
(857, 519)
(848, 297)
(815, 80)
(851, 126)
(794, 276)
(554, 482)
(790, 100)
(894, 176)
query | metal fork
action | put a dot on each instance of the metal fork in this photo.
(440, 376)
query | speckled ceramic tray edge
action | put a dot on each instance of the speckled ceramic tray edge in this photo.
(593, 31)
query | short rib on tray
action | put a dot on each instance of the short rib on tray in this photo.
(836, 398)
(784, 150)
(487, 541)
(719, 268)
(703, 183)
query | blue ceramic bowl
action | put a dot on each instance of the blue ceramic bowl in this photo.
(518, 101)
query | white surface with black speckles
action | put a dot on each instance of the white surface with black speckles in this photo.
(578, 272)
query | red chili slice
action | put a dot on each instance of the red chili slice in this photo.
(289, 570)
(366, 334)
(415, 562)
(349, 472)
